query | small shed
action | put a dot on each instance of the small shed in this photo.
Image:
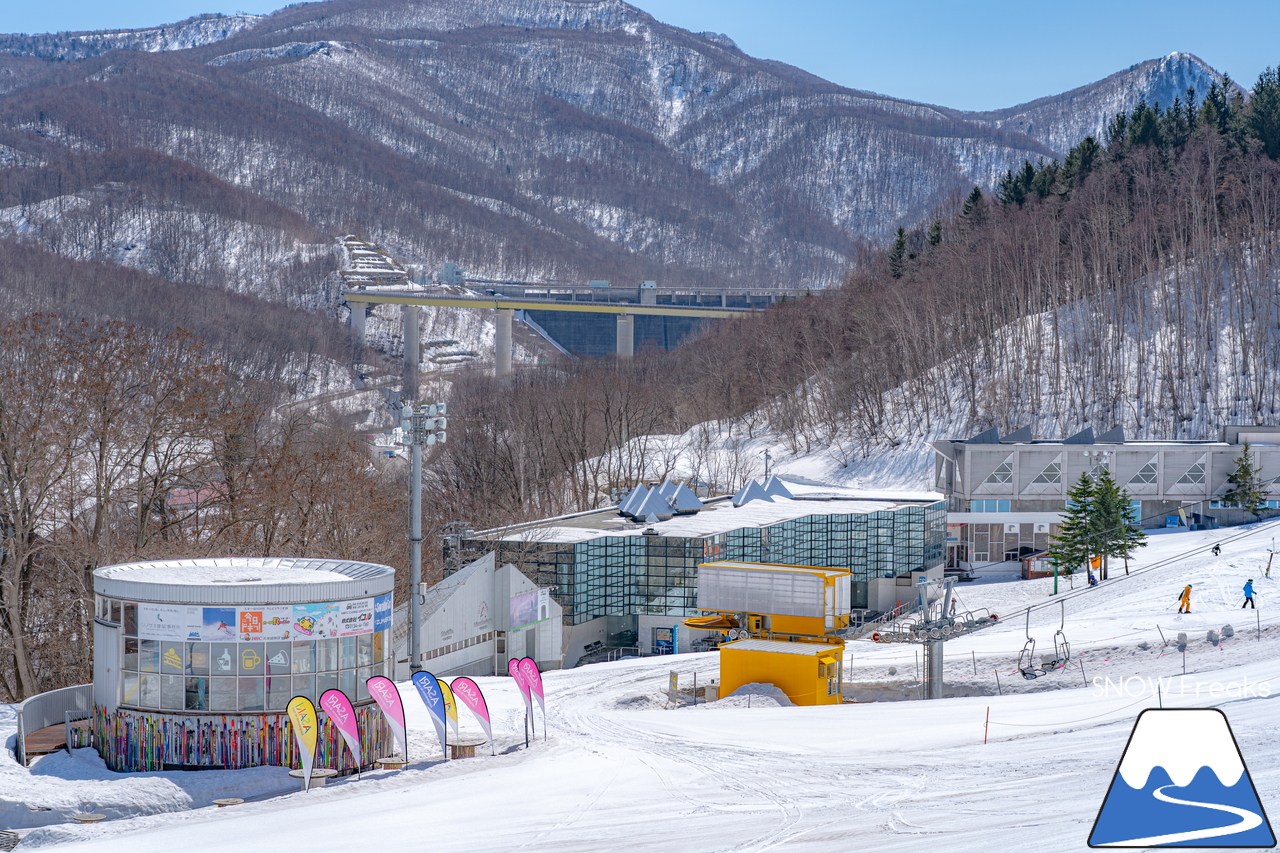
(809, 673)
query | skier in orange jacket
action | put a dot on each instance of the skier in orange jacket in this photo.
(1185, 607)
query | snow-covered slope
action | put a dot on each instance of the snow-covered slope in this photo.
(900, 776)
(1061, 121)
(193, 32)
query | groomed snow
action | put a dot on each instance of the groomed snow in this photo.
(620, 769)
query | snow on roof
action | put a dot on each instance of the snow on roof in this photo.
(242, 570)
(718, 517)
(781, 648)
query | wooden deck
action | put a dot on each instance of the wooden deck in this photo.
(50, 738)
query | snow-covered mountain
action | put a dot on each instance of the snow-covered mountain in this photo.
(528, 139)
(1061, 121)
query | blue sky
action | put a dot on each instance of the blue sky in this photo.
(968, 55)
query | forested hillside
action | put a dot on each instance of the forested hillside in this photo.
(1136, 284)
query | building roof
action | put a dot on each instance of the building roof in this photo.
(778, 647)
(718, 516)
(775, 567)
(244, 580)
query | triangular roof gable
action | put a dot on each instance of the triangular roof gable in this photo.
(1084, 436)
(685, 500)
(1023, 434)
(655, 504)
(752, 491)
(633, 500)
(775, 488)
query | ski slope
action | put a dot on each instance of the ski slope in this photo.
(619, 769)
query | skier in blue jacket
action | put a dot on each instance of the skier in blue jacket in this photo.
(1248, 595)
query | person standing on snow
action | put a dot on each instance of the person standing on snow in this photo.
(1185, 607)
(1217, 549)
(1248, 596)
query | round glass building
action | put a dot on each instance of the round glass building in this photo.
(195, 660)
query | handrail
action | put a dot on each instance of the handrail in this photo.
(48, 709)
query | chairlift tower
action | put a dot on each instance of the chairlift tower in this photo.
(931, 626)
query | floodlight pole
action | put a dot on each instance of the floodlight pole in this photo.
(415, 549)
(422, 427)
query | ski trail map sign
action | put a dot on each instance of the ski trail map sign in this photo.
(1182, 782)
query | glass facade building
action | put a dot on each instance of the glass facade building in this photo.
(655, 574)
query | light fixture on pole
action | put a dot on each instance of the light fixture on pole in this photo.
(423, 427)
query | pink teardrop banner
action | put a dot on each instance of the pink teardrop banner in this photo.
(468, 693)
(384, 692)
(533, 678)
(336, 704)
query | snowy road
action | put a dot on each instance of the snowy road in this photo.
(621, 770)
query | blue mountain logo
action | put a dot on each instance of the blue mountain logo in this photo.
(1182, 782)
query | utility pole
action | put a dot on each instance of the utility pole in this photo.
(423, 426)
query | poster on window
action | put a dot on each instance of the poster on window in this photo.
(315, 621)
(161, 621)
(355, 617)
(211, 623)
(265, 623)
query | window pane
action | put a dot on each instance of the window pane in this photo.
(130, 693)
(148, 656)
(171, 657)
(326, 655)
(198, 659)
(250, 694)
(223, 661)
(197, 694)
(362, 688)
(131, 620)
(347, 682)
(377, 646)
(348, 657)
(326, 681)
(304, 656)
(278, 660)
(304, 685)
(171, 690)
(222, 694)
(278, 692)
(130, 654)
(149, 692)
(250, 659)
(364, 649)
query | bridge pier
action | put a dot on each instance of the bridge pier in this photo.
(409, 387)
(502, 342)
(359, 311)
(626, 335)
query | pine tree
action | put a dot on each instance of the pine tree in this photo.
(898, 254)
(1115, 534)
(935, 233)
(971, 201)
(1247, 491)
(1264, 112)
(1073, 544)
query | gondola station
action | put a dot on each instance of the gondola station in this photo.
(195, 661)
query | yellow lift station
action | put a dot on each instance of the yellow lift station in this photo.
(782, 623)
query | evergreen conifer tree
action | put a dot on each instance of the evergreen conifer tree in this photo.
(1113, 526)
(1247, 489)
(971, 201)
(1073, 544)
(898, 254)
(935, 233)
